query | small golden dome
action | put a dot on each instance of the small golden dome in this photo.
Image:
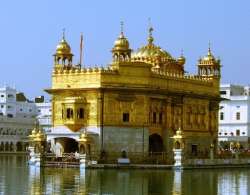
(181, 60)
(83, 136)
(63, 47)
(33, 132)
(209, 56)
(121, 43)
(39, 133)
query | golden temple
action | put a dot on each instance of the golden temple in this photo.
(136, 103)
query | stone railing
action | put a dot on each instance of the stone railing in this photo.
(181, 76)
(216, 162)
(88, 70)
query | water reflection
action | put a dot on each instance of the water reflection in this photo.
(34, 181)
(56, 181)
(123, 182)
(17, 178)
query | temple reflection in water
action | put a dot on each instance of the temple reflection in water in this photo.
(140, 182)
(17, 178)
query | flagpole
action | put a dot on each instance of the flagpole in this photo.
(81, 51)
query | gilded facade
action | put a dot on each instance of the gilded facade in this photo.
(136, 103)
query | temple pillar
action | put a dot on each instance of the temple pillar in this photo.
(212, 152)
(36, 147)
(178, 149)
(84, 140)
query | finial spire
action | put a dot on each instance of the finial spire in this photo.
(209, 48)
(122, 27)
(182, 53)
(63, 33)
(149, 23)
(150, 30)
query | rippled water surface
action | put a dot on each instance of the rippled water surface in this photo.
(17, 178)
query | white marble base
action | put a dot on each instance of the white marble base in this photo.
(83, 161)
(178, 158)
(35, 158)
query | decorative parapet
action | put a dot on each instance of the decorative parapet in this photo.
(89, 70)
(180, 76)
(152, 60)
(209, 61)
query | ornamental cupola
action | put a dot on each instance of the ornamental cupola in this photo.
(209, 66)
(121, 51)
(150, 51)
(181, 60)
(63, 56)
(160, 59)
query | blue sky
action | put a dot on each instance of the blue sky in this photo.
(30, 31)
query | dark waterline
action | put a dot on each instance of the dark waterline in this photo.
(17, 178)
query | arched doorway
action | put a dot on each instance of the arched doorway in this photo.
(69, 144)
(2, 146)
(11, 148)
(6, 147)
(19, 147)
(155, 143)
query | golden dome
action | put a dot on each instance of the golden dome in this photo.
(121, 43)
(63, 47)
(209, 56)
(151, 50)
(209, 59)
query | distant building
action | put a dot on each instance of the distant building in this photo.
(17, 118)
(44, 115)
(234, 115)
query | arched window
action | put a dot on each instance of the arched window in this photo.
(160, 118)
(69, 113)
(80, 113)
(115, 57)
(221, 115)
(237, 115)
(177, 145)
(58, 60)
(238, 132)
(64, 61)
(125, 117)
(154, 117)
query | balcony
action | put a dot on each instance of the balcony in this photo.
(74, 114)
